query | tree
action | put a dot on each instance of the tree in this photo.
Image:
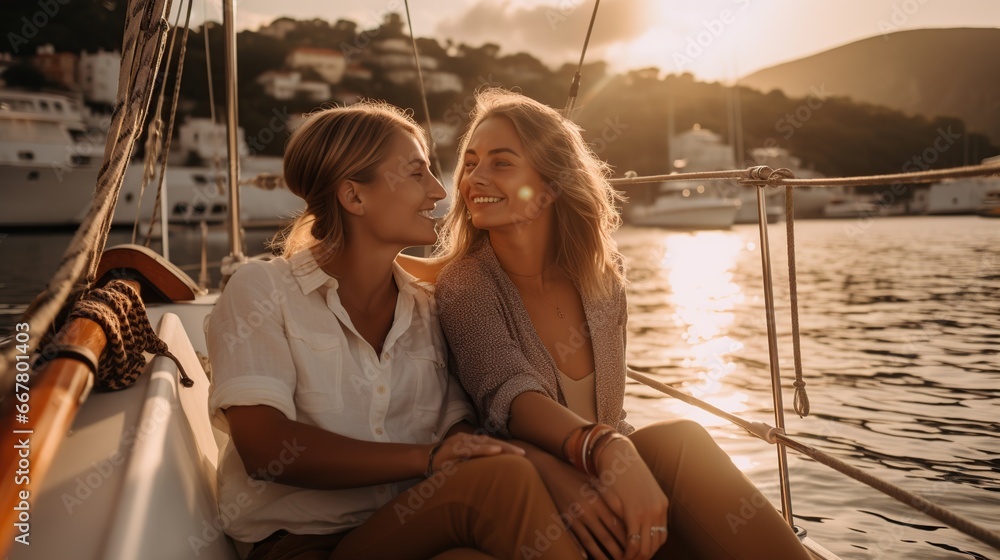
(27, 77)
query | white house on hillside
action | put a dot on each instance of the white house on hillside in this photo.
(205, 139)
(98, 76)
(281, 84)
(328, 63)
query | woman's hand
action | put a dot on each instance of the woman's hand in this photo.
(635, 497)
(590, 519)
(462, 446)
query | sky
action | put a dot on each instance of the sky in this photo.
(716, 40)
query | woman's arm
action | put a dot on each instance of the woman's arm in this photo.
(536, 418)
(275, 448)
(297, 454)
(490, 363)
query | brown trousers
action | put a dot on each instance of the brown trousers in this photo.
(494, 507)
(714, 512)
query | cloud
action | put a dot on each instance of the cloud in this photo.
(553, 32)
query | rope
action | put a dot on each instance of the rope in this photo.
(142, 51)
(746, 177)
(148, 167)
(170, 130)
(155, 136)
(758, 429)
(574, 86)
(216, 158)
(118, 309)
(915, 501)
(423, 93)
(775, 435)
(265, 181)
(801, 402)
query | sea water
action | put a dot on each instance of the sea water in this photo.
(900, 346)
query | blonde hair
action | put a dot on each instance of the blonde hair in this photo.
(583, 200)
(331, 146)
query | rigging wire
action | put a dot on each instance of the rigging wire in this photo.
(155, 130)
(775, 435)
(574, 87)
(435, 161)
(165, 153)
(216, 158)
(784, 178)
(142, 49)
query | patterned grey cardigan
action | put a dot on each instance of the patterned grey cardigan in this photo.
(497, 353)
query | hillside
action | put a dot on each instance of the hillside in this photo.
(931, 72)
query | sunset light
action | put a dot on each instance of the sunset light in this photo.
(246, 312)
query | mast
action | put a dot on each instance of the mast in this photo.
(236, 255)
(738, 127)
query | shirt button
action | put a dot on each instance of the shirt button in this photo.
(381, 389)
(379, 430)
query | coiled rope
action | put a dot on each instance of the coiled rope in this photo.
(142, 51)
(119, 310)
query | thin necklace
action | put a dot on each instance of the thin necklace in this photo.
(559, 312)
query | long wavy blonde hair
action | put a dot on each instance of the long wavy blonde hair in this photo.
(584, 202)
(331, 146)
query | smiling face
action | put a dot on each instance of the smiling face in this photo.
(498, 185)
(399, 200)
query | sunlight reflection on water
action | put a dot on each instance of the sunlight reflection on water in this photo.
(900, 337)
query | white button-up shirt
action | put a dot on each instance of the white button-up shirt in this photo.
(280, 337)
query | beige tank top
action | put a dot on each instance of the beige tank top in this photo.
(581, 396)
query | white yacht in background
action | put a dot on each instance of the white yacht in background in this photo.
(959, 196)
(48, 159)
(692, 204)
(687, 205)
(849, 204)
(51, 148)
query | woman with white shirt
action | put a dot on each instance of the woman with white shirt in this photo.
(330, 376)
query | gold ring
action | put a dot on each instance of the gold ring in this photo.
(654, 530)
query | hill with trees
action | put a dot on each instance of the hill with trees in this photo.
(624, 116)
(931, 72)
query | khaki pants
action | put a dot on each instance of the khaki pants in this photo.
(495, 507)
(715, 511)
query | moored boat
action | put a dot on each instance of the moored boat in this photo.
(48, 159)
(687, 206)
(50, 153)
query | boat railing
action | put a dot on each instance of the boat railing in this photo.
(762, 177)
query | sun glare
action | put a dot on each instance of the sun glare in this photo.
(704, 297)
